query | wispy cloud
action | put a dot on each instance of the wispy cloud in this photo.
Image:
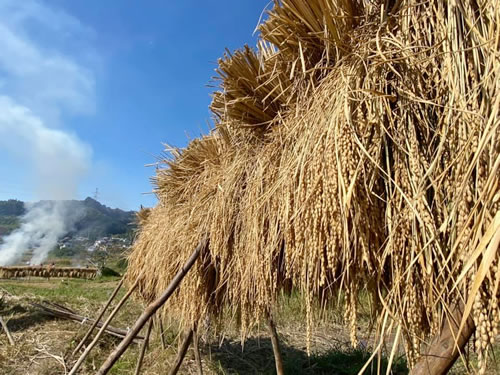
(39, 61)
(42, 81)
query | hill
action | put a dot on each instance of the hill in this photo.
(99, 220)
(96, 220)
(10, 211)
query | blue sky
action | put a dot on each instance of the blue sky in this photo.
(89, 90)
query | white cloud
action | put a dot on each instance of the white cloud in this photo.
(38, 68)
(16, 12)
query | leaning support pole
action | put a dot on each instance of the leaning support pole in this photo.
(196, 347)
(162, 336)
(98, 319)
(150, 310)
(276, 347)
(182, 353)
(103, 328)
(445, 348)
(143, 349)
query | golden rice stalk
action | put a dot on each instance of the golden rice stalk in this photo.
(357, 148)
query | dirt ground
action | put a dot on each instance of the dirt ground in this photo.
(44, 344)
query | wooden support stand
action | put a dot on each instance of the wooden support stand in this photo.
(445, 348)
(196, 347)
(162, 336)
(276, 348)
(182, 352)
(150, 311)
(143, 348)
(98, 319)
(103, 328)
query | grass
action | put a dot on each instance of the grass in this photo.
(68, 291)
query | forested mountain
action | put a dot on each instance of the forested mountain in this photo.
(95, 220)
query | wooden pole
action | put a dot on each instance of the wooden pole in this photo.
(276, 348)
(7, 332)
(150, 310)
(446, 347)
(196, 348)
(103, 328)
(143, 348)
(71, 315)
(98, 319)
(182, 352)
(162, 336)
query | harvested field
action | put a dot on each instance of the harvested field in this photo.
(43, 341)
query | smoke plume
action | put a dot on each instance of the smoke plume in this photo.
(59, 161)
(42, 226)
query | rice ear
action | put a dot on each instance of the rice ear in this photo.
(356, 148)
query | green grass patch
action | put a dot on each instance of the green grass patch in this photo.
(68, 291)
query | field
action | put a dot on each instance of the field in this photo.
(44, 344)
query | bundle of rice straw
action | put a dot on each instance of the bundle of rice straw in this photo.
(358, 147)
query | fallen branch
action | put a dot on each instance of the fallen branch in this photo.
(63, 312)
(7, 332)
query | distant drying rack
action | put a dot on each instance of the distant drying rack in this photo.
(48, 272)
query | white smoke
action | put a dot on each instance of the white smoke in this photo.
(41, 80)
(42, 226)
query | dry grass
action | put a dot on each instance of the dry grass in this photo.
(43, 341)
(358, 147)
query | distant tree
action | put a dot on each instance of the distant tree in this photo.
(12, 207)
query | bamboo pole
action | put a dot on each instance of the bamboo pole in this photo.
(98, 319)
(150, 310)
(143, 348)
(276, 347)
(446, 347)
(101, 331)
(7, 332)
(182, 353)
(196, 348)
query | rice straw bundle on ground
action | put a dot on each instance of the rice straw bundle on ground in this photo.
(357, 148)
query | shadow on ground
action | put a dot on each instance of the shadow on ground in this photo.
(257, 358)
(23, 318)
